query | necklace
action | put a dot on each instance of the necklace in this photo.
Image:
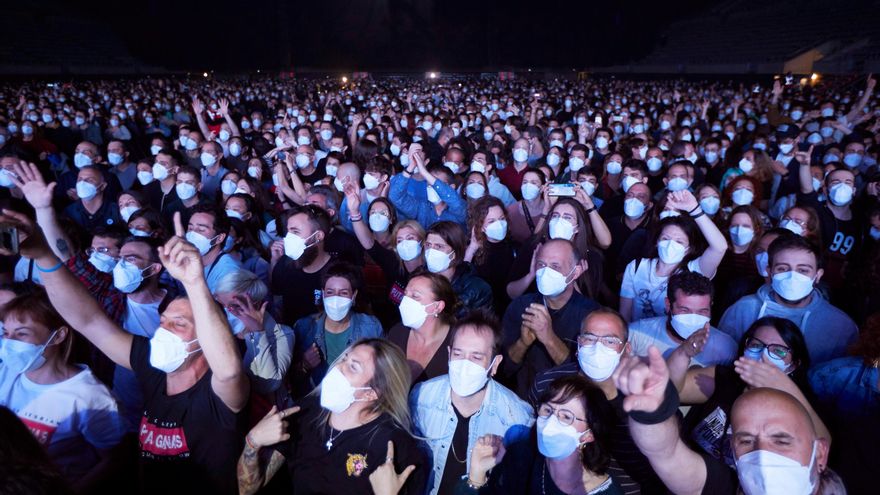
(456, 457)
(329, 443)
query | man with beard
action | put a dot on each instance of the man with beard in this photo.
(298, 262)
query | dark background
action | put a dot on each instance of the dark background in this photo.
(412, 35)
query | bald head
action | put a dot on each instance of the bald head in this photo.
(772, 420)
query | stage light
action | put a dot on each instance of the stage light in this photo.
(814, 77)
(432, 75)
(204, 74)
(344, 79)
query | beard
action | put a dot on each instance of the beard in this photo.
(308, 256)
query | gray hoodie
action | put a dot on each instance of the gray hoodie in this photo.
(827, 330)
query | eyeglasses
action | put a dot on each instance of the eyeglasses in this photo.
(101, 249)
(586, 339)
(756, 345)
(564, 416)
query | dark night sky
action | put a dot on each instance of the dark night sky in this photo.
(229, 35)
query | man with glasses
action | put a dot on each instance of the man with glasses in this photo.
(453, 410)
(602, 342)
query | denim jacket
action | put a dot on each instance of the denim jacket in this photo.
(502, 413)
(310, 329)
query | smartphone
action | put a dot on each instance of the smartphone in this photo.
(598, 119)
(617, 118)
(9, 239)
(562, 190)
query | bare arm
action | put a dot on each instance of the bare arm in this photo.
(353, 198)
(39, 195)
(69, 296)
(224, 110)
(198, 109)
(869, 90)
(252, 476)
(804, 176)
(711, 257)
(183, 262)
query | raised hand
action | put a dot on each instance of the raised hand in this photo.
(31, 242)
(352, 197)
(385, 480)
(180, 257)
(249, 313)
(644, 384)
(224, 106)
(312, 357)
(197, 105)
(682, 200)
(804, 157)
(29, 179)
(487, 453)
(272, 428)
(538, 320)
(276, 250)
(761, 373)
(695, 344)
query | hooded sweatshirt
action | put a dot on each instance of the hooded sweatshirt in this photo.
(827, 330)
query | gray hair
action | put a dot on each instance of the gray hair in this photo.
(243, 282)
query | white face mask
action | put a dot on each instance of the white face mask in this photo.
(497, 230)
(475, 190)
(654, 164)
(628, 182)
(303, 160)
(114, 158)
(207, 159)
(762, 260)
(159, 171)
(337, 394)
(379, 222)
(127, 277)
(520, 155)
(81, 160)
(762, 472)
(792, 286)
(433, 197)
(228, 187)
(295, 246)
(677, 184)
(168, 351)
(550, 282)
(710, 205)
(530, 191)
(598, 361)
(742, 197)
(337, 307)
(21, 357)
(370, 182)
(741, 235)
(745, 165)
(670, 251)
(841, 194)
(185, 191)
(202, 243)
(155, 149)
(555, 440)
(103, 262)
(633, 208)
(467, 377)
(412, 313)
(792, 226)
(614, 168)
(86, 190)
(437, 260)
(560, 228)
(687, 324)
(409, 249)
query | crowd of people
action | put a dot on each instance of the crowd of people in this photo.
(443, 286)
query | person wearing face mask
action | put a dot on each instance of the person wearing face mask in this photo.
(789, 293)
(634, 223)
(441, 202)
(539, 328)
(208, 229)
(94, 207)
(762, 465)
(427, 311)
(188, 189)
(266, 345)
(602, 342)
(772, 354)
(689, 303)
(570, 456)
(445, 246)
(161, 192)
(213, 167)
(70, 413)
(840, 221)
(633, 171)
(490, 250)
(321, 338)
(190, 371)
(124, 170)
(452, 411)
(512, 174)
(525, 214)
(679, 240)
(300, 256)
(356, 422)
(484, 162)
(737, 274)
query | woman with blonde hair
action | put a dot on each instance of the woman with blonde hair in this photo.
(342, 431)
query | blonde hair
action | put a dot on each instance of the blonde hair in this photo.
(391, 382)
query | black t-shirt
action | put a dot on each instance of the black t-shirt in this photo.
(300, 291)
(189, 442)
(720, 479)
(495, 270)
(456, 460)
(346, 467)
(341, 245)
(842, 240)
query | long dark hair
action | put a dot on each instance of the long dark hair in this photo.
(794, 340)
(594, 454)
(476, 216)
(697, 244)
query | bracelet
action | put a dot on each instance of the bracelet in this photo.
(591, 210)
(698, 215)
(356, 219)
(247, 440)
(694, 209)
(665, 411)
(473, 484)
(49, 270)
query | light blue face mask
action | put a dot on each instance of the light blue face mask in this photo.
(235, 324)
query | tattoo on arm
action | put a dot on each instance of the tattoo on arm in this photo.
(250, 476)
(61, 245)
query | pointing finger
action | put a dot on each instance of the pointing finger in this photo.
(178, 225)
(389, 456)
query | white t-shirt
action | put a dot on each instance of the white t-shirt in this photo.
(720, 349)
(22, 267)
(141, 319)
(72, 419)
(646, 288)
